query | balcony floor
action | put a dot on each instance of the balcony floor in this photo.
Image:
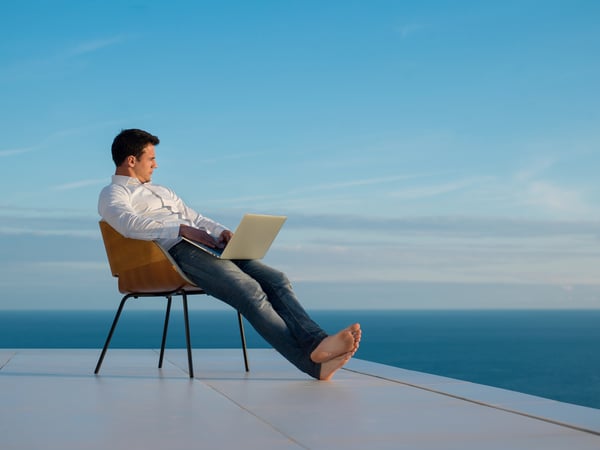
(50, 399)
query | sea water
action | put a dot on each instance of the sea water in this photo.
(548, 353)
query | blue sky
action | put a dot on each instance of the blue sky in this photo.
(428, 154)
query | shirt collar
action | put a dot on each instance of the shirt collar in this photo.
(125, 180)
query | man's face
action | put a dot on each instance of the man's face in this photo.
(144, 167)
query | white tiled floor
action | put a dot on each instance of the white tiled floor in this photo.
(50, 399)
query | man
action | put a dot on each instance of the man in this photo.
(138, 209)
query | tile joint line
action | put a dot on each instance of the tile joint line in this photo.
(478, 402)
(266, 422)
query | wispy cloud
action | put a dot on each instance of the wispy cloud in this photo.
(291, 195)
(58, 136)
(535, 169)
(52, 59)
(80, 184)
(464, 226)
(94, 45)
(15, 151)
(358, 248)
(354, 183)
(437, 189)
(409, 29)
(15, 221)
(535, 187)
(555, 198)
(71, 266)
(436, 257)
(224, 158)
(23, 231)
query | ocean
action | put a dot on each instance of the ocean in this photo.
(549, 353)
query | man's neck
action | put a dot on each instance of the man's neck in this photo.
(124, 171)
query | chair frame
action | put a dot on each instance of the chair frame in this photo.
(135, 283)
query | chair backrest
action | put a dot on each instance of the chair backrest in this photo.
(141, 266)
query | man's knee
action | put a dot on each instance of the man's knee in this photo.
(280, 279)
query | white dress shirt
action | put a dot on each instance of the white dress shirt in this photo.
(149, 212)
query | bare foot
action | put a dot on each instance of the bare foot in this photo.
(357, 333)
(331, 347)
(333, 365)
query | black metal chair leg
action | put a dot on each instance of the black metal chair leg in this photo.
(164, 336)
(243, 337)
(187, 334)
(111, 332)
(168, 295)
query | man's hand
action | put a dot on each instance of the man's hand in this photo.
(225, 237)
(203, 237)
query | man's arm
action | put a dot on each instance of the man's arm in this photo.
(114, 206)
(205, 238)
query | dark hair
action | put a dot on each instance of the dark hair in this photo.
(131, 142)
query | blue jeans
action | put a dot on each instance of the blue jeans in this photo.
(263, 295)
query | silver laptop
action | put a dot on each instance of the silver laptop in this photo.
(251, 240)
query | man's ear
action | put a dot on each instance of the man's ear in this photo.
(131, 161)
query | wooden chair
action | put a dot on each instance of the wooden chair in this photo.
(144, 269)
